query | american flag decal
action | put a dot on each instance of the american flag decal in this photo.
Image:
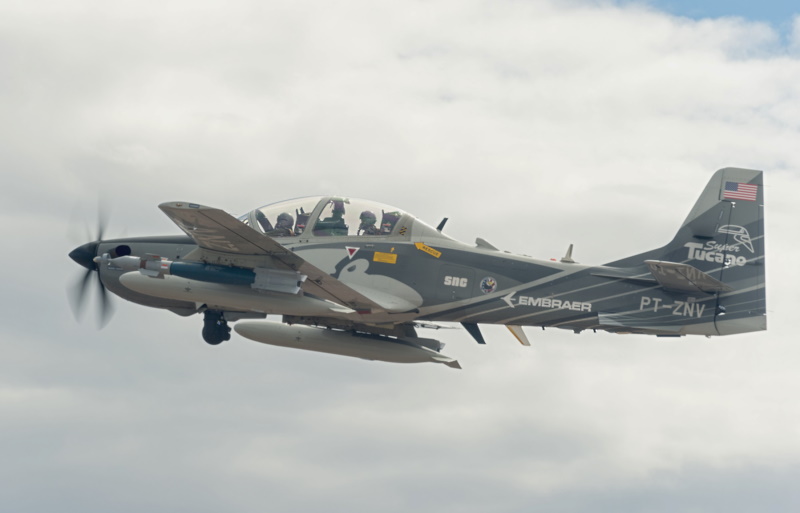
(740, 191)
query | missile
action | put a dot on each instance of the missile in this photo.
(232, 296)
(367, 347)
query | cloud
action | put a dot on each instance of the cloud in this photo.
(532, 124)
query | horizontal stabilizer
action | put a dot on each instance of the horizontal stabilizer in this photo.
(684, 278)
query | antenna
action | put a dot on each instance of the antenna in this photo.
(567, 259)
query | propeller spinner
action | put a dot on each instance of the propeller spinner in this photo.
(84, 256)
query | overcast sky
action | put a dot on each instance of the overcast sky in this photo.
(532, 124)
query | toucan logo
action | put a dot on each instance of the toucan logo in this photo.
(740, 235)
(713, 251)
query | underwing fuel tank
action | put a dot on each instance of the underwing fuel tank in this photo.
(368, 347)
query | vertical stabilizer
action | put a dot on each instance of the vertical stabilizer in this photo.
(723, 236)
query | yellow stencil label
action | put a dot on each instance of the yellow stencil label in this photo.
(427, 249)
(386, 258)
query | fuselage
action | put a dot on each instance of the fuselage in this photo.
(441, 280)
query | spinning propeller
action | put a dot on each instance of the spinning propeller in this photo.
(84, 255)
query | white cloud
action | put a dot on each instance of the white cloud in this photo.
(532, 124)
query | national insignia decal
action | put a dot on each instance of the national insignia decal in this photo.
(488, 285)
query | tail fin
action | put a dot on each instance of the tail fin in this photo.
(723, 236)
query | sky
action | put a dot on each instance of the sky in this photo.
(533, 124)
(777, 13)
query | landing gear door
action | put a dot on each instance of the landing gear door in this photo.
(455, 282)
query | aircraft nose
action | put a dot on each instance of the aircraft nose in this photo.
(85, 254)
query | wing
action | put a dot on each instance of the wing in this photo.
(215, 230)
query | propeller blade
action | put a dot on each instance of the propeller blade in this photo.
(106, 308)
(77, 295)
(84, 255)
(102, 219)
(101, 228)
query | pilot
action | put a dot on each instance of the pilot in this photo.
(263, 221)
(338, 211)
(333, 225)
(367, 226)
(283, 226)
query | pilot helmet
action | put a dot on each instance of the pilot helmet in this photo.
(367, 218)
(285, 220)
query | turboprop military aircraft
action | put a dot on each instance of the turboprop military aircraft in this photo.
(358, 278)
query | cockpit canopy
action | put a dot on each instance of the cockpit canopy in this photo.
(326, 216)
